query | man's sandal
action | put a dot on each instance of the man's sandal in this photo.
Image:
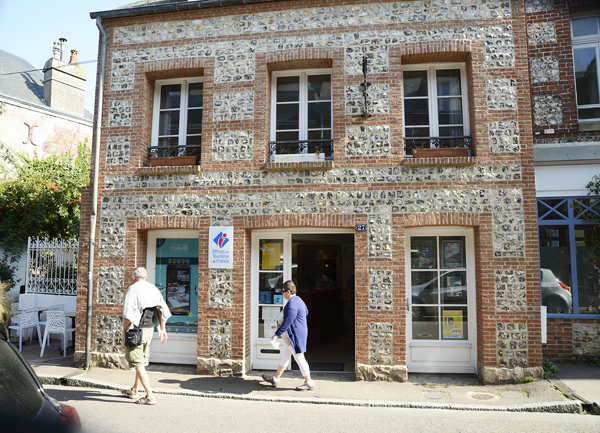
(129, 394)
(146, 401)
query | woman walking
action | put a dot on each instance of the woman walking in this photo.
(294, 332)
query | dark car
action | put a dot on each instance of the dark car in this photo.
(556, 295)
(24, 405)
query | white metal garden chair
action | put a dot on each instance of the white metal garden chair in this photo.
(14, 317)
(56, 324)
(28, 320)
(55, 307)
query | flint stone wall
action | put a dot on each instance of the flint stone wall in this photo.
(586, 339)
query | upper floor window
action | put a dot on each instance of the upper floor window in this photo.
(177, 120)
(301, 116)
(586, 48)
(435, 106)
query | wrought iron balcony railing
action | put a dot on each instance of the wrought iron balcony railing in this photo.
(164, 151)
(321, 148)
(411, 143)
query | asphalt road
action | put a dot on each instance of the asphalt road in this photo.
(103, 411)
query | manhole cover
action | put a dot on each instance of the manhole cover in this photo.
(481, 396)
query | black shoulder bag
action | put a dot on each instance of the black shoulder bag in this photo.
(133, 337)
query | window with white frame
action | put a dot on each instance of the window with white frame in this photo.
(435, 106)
(177, 119)
(301, 115)
(585, 32)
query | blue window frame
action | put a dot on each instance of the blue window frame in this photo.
(569, 278)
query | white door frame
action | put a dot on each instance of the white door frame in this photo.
(271, 361)
(180, 348)
(437, 356)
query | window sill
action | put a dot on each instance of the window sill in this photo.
(169, 169)
(589, 126)
(298, 165)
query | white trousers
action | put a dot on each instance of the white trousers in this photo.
(286, 356)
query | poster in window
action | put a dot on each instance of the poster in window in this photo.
(452, 254)
(264, 297)
(453, 324)
(270, 255)
(425, 259)
(270, 313)
(454, 285)
(270, 327)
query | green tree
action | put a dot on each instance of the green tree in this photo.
(594, 218)
(43, 202)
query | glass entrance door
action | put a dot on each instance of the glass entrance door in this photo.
(271, 265)
(176, 276)
(440, 301)
(172, 263)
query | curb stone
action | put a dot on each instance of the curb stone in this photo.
(570, 407)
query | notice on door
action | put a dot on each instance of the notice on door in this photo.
(453, 324)
(220, 247)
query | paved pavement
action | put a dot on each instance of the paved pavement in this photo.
(575, 390)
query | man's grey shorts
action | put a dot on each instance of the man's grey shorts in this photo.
(139, 356)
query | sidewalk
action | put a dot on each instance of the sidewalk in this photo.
(458, 392)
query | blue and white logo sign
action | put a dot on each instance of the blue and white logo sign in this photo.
(220, 248)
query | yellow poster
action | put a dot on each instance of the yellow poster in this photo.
(271, 253)
(453, 324)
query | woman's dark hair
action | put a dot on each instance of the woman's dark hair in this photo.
(289, 285)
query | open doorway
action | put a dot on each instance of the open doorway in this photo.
(321, 263)
(323, 269)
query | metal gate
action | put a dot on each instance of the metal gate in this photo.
(51, 267)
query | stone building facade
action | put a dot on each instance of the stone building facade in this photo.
(429, 263)
(563, 43)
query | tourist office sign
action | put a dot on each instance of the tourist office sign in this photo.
(220, 247)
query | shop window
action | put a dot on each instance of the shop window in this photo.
(438, 282)
(301, 116)
(435, 106)
(586, 50)
(570, 273)
(177, 118)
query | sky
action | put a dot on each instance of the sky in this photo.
(29, 30)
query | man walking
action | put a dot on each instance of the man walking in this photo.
(144, 307)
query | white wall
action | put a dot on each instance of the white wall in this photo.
(565, 180)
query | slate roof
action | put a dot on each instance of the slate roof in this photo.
(149, 7)
(19, 79)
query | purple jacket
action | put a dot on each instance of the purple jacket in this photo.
(294, 323)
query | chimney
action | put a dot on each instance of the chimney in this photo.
(73, 59)
(62, 49)
(64, 83)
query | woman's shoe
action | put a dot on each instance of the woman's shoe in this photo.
(271, 379)
(306, 386)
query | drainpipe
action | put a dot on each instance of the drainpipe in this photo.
(98, 122)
